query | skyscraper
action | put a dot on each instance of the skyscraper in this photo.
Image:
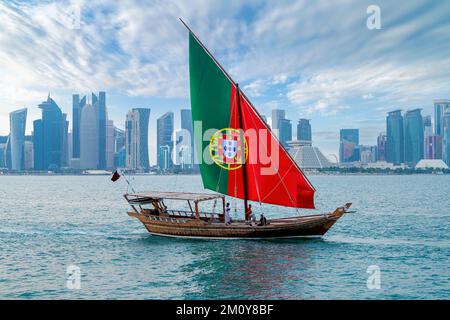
(28, 155)
(183, 150)
(367, 154)
(281, 126)
(136, 137)
(440, 106)
(428, 135)
(17, 120)
(38, 145)
(77, 108)
(110, 144)
(304, 130)
(65, 160)
(99, 104)
(433, 147)
(349, 140)
(446, 137)
(3, 142)
(285, 128)
(164, 133)
(381, 147)
(395, 140)
(89, 155)
(119, 148)
(48, 136)
(414, 137)
(277, 115)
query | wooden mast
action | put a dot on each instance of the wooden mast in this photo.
(243, 155)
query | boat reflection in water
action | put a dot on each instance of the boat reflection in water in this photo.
(250, 269)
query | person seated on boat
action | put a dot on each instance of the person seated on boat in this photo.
(253, 217)
(227, 213)
(262, 220)
(248, 215)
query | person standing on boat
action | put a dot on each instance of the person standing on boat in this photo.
(248, 215)
(227, 213)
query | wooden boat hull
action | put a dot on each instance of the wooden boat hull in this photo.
(294, 227)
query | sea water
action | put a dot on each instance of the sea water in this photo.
(69, 237)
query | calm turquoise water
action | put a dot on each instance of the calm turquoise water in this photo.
(48, 223)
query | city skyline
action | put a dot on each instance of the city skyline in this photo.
(409, 136)
(347, 74)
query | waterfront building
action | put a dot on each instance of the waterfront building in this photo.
(3, 142)
(446, 137)
(136, 140)
(119, 139)
(65, 160)
(164, 140)
(183, 150)
(99, 104)
(307, 156)
(38, 144)
(433, 147)
(395, 140)
(89, 155)
(381, 147)
(431, 164)
(277, 115)
(440, 107)
(304, 130)
(69, 147)
(414, 137)
(120, 158)
(348, 147)
(48, 136)
(110, 144)
(281, 126)
(285, 128)
(119, 148)
(28, 154)
(428, 133)
(17, 121)
(2, 156)
(77, 108)
(368, 154)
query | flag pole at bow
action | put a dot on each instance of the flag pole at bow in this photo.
(116, 176)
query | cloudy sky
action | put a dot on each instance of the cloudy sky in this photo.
(315, 59)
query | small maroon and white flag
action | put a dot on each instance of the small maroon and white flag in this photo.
(115, 176)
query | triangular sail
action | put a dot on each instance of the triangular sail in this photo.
(268, 174)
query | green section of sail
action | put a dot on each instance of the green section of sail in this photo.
(210, 104)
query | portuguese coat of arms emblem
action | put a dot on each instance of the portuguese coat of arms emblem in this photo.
(228, 148)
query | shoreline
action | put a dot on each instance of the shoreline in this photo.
(197, 174)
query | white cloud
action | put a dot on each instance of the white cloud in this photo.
(331, 89)
(254, 88)
(320, 57)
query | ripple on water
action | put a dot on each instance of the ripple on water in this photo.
(402, 226)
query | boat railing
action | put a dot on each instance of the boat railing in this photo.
(180, 214)
(190, 214)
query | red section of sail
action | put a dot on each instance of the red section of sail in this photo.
(271, 174)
